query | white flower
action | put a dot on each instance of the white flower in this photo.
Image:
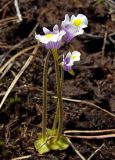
(73, 26)
(51, 40)
(69, 60)
(75, 56)
(80, 21)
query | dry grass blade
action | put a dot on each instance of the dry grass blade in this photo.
(92, 137)
(18, 11)
(2, 45)
(1, 9)
(23, 157)
(33, 30)
(7, 20)
(90, 131)
(18, 45)
(19, 75)
(75, 149)
(89, 103)
(97, 150)
(104, 43)
(3, 56)
(112, 39)
(6, 70)
(15, 56)
(111, 4)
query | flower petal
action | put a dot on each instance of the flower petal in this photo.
(67, 18)
(84, 18)
(46, 31)
(41, 38)
(55, 29)
(67, 67)
(75, 56)
(38, 37)
(67, 58)
(60, 35)
(72, 17)
(81, 31)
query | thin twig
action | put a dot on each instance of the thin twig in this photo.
(97, 150)
(75, 149)
(92, 36)
(18, 11)
(19, 75)
(20, 158)
(27, 88)
(6, 70)
(90, 131)
(111, 39)
(3, 45)
(1, 9)
(7, 20)
(92, 137)
(17, 45)
(104, 43)
(33, 30)
(86, 102)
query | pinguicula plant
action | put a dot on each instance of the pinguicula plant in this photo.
(52, 138)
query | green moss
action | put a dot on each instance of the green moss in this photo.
(2, 143)
(14, 99)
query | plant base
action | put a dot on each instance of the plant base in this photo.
(50, 143)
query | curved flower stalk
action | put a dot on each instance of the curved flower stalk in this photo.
(51, 40)
(69, 60)
(73, 26)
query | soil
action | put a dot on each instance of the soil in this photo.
(94, 80)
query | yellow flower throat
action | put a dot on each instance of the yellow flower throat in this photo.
(50, 35)
(74, 57)
(77, 22)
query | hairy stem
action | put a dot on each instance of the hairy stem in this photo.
(59, 94)
(44, 113)
(56, 118)
(57, 110)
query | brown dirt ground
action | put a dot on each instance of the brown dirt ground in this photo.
(94, 81)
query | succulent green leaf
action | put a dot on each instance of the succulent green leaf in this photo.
(41, 146)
